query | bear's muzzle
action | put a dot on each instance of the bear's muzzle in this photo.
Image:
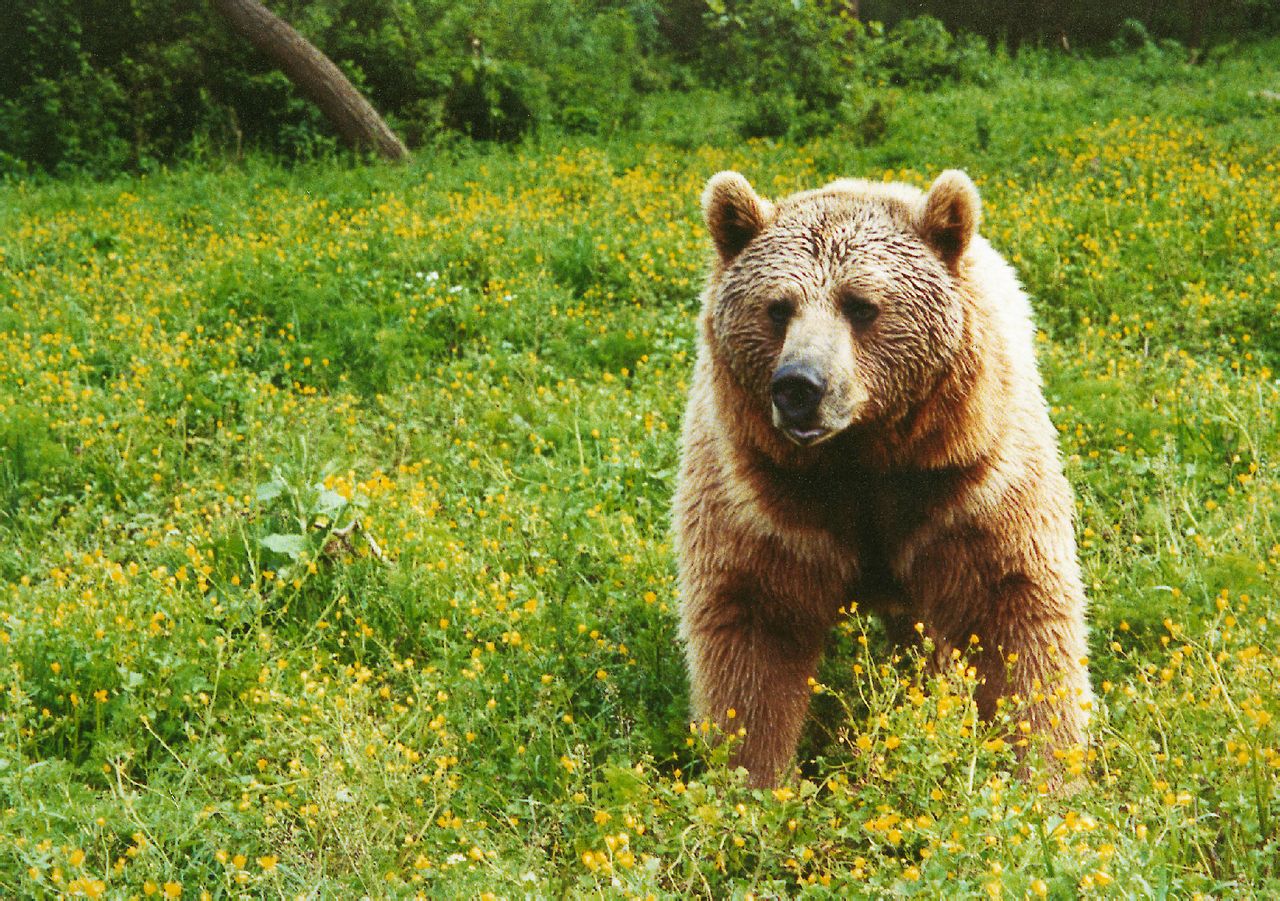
(797, 392)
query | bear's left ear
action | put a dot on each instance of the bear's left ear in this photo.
(950, 214)
(734, 213)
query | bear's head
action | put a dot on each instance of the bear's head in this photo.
(838, 307)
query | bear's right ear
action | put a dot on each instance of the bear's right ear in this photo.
(734, 213)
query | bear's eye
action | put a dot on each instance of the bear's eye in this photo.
(859, 310)
(779, 312)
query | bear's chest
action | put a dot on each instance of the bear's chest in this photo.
(871, 516)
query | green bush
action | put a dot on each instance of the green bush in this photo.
(491, 99)
(794, 61)
(98, 89)
(921, 53)
(807, 67)
(1088, 23)
(97, 86)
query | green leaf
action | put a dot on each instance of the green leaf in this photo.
(269, 491)
(330, 503)
(291, 546)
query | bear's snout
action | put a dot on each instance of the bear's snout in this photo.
(797, 391)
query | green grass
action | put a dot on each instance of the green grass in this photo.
(210, 679)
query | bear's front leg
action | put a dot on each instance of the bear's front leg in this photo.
(749, 668)
(1008, 595)
(1044, 669)
(1035, 658)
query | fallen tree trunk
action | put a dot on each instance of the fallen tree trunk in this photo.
(315, 75)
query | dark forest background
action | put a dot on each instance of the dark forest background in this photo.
(110, 85)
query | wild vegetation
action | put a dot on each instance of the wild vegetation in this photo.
(334, 552)
(100, 87)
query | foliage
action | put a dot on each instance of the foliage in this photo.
(1088, 23)
(210, 680)
(806, 67)
(793, 59)
(103, 90)
(104, 87)
(921, 53)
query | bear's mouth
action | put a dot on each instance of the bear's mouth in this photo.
(808, 437)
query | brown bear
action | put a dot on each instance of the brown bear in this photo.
(866, 424)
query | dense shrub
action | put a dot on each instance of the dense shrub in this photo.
(921, 53)
(95, 85)
(91, 86)
(795, 61)
(1087, 23)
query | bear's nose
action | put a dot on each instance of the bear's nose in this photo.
(797, 391)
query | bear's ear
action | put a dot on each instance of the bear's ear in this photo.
(950, 215)
(734, 213)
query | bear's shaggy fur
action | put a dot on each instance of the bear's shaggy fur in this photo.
(866, 424)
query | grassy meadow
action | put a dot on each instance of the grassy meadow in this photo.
(334, 549)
